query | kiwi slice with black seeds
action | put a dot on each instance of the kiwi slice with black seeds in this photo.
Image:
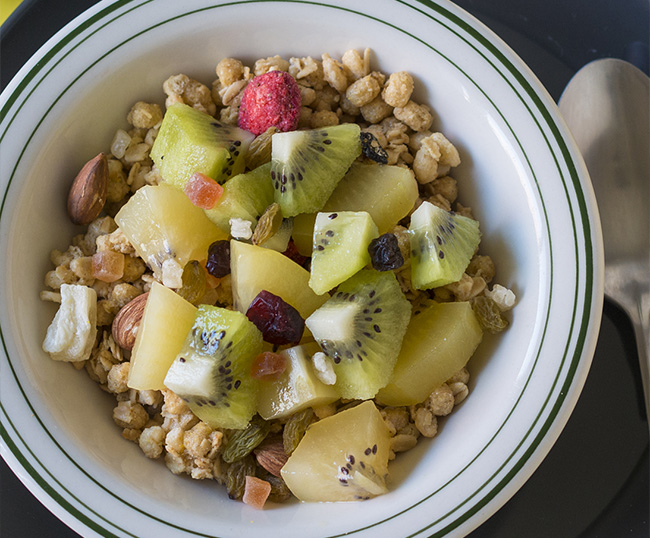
(307, 165)
(192, 141)
(341, 242)
(361, 328)
(442, 245)
(212, 372)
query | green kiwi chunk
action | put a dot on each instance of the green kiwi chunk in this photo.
(307, 165)
(340, 247)
(245, 196)
(387, 192)
(192, 141)
(212, 370)
(442, 245)
(361, 328)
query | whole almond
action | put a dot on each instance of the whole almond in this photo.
(127, 322)
(271, 455)
(87, 195)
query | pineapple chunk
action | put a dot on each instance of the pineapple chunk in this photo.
(297, 388)
(165, 323)
(166, 229)
(438, 342)
(255, 269)
(343, 457)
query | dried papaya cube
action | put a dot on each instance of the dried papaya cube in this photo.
(256, 492)
(203, 191)
(107, 265)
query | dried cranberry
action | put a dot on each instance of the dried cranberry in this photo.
(268, 365)
(385, 253)
(218, 263)
(279, 322)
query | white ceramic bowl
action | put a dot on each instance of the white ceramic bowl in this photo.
(521, 173)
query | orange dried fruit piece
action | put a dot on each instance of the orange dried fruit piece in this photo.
(107, 265)
(268, 365)
(203, 191)
(256, 491)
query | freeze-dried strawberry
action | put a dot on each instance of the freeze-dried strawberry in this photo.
(270, 100)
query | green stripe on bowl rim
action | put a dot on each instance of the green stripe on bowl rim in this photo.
(496, 58)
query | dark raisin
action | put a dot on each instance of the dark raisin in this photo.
(278, 321)
(372, 149)
(218, 264)
(293, 254)
(385, 253)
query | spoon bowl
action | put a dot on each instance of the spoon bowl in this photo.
(607, 108)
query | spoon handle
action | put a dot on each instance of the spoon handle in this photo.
(641, 325)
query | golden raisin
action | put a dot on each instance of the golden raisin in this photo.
(268, 224)
(488, 314)
(194, 282)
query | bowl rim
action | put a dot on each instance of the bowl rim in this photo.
(586, 216)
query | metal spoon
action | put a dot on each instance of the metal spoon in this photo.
(606, 106)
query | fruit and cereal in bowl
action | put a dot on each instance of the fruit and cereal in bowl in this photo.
(251, 259)
(278, 283)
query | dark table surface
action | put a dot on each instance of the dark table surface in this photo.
(583, 489)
